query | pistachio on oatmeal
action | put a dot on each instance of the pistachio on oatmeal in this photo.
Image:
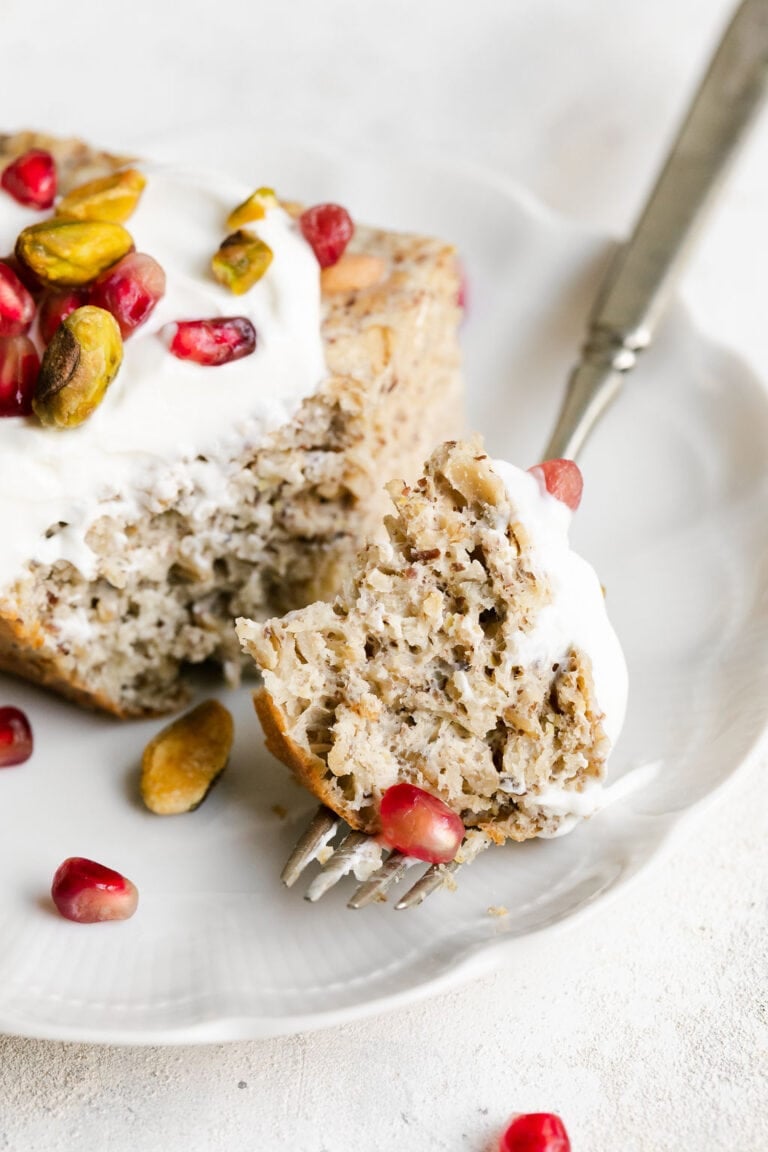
(68, 252)
(181, 764)
(241, 261)
(254, 208)
(79, 364)
(112, 198)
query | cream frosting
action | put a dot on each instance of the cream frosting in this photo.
(576, 615)
(161, 411)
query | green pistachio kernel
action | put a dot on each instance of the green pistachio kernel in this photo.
(79, 364)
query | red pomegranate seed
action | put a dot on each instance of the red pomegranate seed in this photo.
(419, 824)
(19, 366)
(130, 290)
(55, 307)
(26, 275)
(563, 479)
(31, 179)
(535, 1132)
(17, 308)
(328, 228)
(15, 737)
(87, 892)
(214, 341)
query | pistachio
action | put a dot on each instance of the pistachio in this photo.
(61, 251)
(183, 761)
(254, 208)
(79, 364)
(355, 270)
(112, 198)
(241, 260)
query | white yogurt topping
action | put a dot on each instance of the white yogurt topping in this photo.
(160, 409)
(576, 616)
(573, 806)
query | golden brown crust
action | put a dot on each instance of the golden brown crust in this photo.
(309, 770)
(22, 652)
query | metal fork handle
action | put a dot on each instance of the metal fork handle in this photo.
(644, 270)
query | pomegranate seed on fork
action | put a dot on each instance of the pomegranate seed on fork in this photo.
(419, 824)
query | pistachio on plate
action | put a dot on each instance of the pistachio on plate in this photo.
(69, 252)
(241, 260)
(181, 764)
(79, 364)
(112, 198)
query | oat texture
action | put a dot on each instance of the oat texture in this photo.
(406, 675)
(293, 511)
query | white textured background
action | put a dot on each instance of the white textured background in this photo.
(646, 1025)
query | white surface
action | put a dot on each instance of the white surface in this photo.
(686, 591)
(648, 1029)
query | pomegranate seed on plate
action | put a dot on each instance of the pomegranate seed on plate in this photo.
(328, 228)
(88, 892)
(17, 308)
(563, 479)
(15, 737)
(31, 178)
(419, 824)
(19, 367)
(130, 290)
(55, 307)
(535, 1132)
(213, 342)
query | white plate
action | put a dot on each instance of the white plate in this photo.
(674, 520)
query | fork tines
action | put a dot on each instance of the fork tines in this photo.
(362, 854)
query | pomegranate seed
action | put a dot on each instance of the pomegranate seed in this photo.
(15, 737)
(213, 342)
(535, 1132)
(19, 366)
(130, 290)
(31, 179)
(17, 308)
(419, 824)
(328, 228)
(563, 479)
(87, 892)
(26, 275)
(55, 307)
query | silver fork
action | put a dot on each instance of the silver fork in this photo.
(622, 323)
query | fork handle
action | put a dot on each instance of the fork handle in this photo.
(637, 285)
